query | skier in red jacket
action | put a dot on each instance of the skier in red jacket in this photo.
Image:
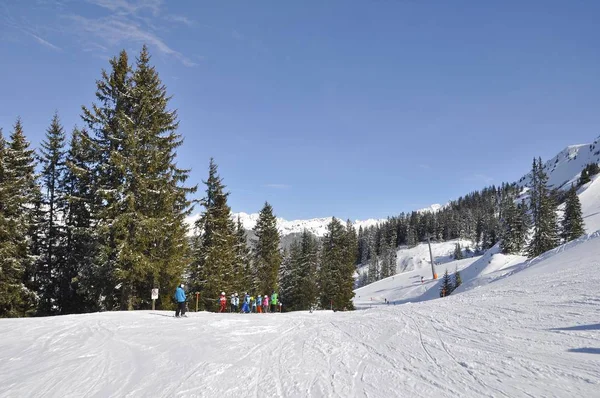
(223, 303)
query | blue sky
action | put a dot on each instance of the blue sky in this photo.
(358, 109)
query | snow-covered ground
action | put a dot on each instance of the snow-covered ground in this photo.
(533, 333)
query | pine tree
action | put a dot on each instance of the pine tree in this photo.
(243, 261)
(446, 287)
(457, 280)
(458, 252)
(584, 177)
(351, 242)
(267, 256)
(298, 274)
(515, 226)
(545, 231)
(288, 277)
(82, 277)
(215, 244)
(572, 222)
(154, 248)
(107, 120)
(51, 262)
(336, 275)
(141, 222)
(373, 270)
(19, 195)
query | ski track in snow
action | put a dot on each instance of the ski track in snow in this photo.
(534, 332)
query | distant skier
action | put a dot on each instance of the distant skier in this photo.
(236, 305)
(180, 298)
(259, 304)
(246, 305)
(222, 303)
(253, 304)
(232, 303)
(274, 302)
(422, 280)
(265, 304)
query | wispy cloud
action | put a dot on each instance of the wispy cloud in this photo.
(277, 186)
(115, 30)
(24, 26)
(128, 21)
(110, 23)
(129, 7)
(42, 41)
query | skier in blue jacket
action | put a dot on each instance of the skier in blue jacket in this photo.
(180, 298)
(246, 305)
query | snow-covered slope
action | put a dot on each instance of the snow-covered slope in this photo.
(533, 334)
(564, 168)
(589, 196)
(476, 272)
(406, 286)
(417, 257)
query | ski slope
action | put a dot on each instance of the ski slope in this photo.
(535, 332)
(417, 258)
(406, 286)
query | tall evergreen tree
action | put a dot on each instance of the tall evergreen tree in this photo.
(298, 276)
(267, 256)
(51, 262)
(545, 228)
(515, 226)
(214, 252)
(373, 271)
(572, 222)
(152, 229)
(19, 195)
(107, 119)
(141, 221)
(82, 277)
(243, 261)
(336, 275)
(351, 242)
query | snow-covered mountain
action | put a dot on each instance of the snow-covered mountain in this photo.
(434, 208)
(316, 226)
(565, 168)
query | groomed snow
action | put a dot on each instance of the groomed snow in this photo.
(535, 332)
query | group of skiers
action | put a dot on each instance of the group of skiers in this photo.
(250, 304)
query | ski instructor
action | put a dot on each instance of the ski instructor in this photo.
(180, 298)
